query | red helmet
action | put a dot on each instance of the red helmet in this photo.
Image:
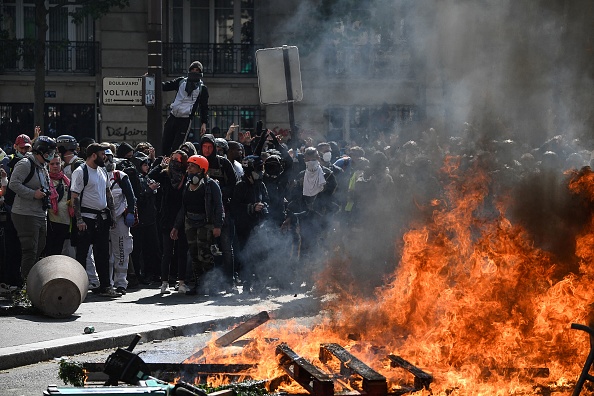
(200, 161)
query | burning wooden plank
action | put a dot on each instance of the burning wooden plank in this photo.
(422, 379)
(232, 335)
(316, 382)
(374, 384)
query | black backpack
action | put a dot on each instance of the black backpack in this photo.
(9, 195)
(129, 169)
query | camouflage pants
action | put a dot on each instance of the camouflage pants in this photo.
(200, 239)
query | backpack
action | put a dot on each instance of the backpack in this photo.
(117, 180)
(129, 169)
(9, 195)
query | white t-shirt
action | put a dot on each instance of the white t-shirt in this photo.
(94, 196)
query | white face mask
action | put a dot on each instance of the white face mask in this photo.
(327, 156)
(312, 166)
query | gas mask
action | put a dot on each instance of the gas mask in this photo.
(195, 178)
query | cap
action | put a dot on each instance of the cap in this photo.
(23, 141)
(108, 152)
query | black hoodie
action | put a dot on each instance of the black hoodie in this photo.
(220, 169)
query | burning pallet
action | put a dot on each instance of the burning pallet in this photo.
(352, 372)
(342, 373)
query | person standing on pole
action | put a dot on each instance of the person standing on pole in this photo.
(191, 96)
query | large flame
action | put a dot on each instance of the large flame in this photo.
(471, 298)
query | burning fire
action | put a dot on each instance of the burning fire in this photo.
(472, 301)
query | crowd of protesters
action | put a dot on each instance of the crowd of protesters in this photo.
(218, 215)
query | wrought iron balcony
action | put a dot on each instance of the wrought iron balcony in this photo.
(217, 59)
(80, 57)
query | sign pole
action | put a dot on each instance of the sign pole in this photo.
(154, 130)
(289, 86)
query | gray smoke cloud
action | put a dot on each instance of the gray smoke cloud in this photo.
(518, 73)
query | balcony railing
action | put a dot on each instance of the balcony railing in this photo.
(217, 59)
(80, 57)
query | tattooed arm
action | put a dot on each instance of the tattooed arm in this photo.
(80, 223)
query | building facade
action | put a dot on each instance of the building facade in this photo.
(357, 81)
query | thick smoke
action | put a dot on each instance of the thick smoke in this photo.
(507, 84)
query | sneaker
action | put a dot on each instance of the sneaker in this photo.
(183, 289)
(110, 292)
(164, 287)
(93, 286)
(121, 289)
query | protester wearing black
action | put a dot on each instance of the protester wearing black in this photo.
(249, 208)
(171, 174)
(146, 239)
(191, 96)
(221, 170)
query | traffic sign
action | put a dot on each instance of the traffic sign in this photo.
(279, 75)
(123, 91)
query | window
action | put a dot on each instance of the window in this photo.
(219, 33)
(60, 119)
(17, 27)
(212, 21)
(364, 123)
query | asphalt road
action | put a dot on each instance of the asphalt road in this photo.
(32, 380)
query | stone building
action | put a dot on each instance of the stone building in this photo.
(367, 68)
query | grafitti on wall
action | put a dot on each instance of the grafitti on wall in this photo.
(120, 131)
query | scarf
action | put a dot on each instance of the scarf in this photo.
(313, 181)
(54, 196)
(176, 176)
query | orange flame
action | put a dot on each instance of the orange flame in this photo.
(471, 295)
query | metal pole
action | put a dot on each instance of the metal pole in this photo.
(155, 67)
(289, 86)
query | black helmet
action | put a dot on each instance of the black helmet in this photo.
(253, 163)
(45, 146)
(222, 143)
(273, 166)
(66, 143)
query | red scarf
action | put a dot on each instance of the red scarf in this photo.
(53, 192)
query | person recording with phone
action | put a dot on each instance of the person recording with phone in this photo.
(191, 96)
(30, 182)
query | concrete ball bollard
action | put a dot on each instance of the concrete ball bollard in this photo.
(57, 285)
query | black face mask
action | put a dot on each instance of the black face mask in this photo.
(176, 166)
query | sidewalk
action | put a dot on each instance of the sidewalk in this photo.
(29, 339)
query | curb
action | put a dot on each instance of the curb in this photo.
(23, 355)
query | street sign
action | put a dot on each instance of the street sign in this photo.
(279, 75)
(149, 91)
(123, 91)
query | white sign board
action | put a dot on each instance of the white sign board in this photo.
(149, 95)
(125, 91)
(275, 67)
